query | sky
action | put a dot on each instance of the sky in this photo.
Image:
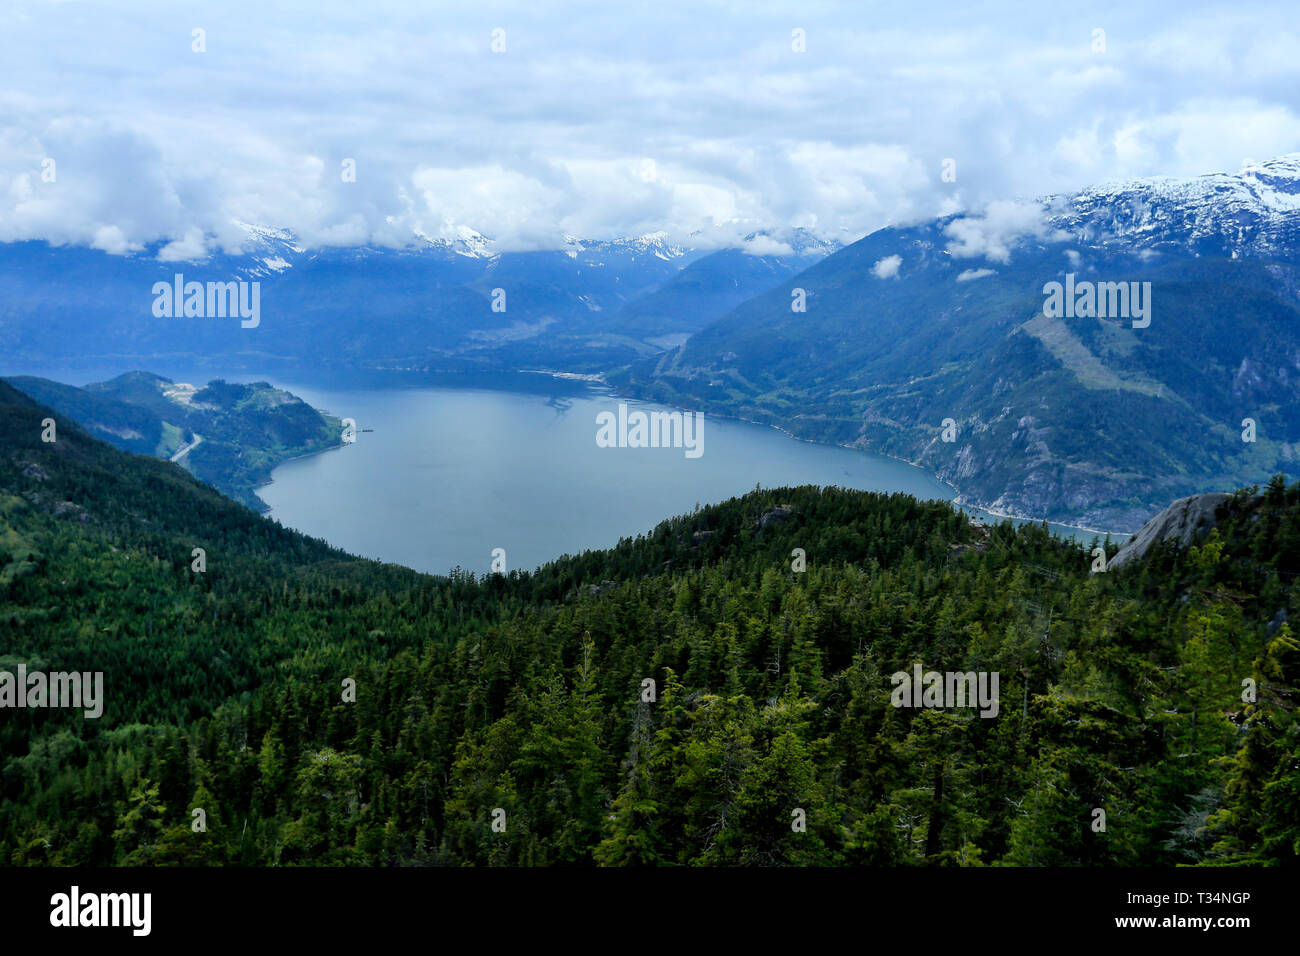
(531, 121)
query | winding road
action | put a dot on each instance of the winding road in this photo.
(186, 449)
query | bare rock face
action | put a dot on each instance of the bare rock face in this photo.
(1181, 522)
(774, 516)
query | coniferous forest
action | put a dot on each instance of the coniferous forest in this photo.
(676, 700)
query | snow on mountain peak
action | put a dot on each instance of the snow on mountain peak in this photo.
(1255, 210)
(269, 236)
(461, 240)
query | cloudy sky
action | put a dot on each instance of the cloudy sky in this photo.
(607, 119)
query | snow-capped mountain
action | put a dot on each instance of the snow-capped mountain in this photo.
(271, 250)
(447, 294)
(1255, 211)
(798, 243)
(463, 241)
(1092, 420)
(710, 286)
(655, 244)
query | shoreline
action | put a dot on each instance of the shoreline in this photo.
(271, 479)
(598, 381)
(956, 500)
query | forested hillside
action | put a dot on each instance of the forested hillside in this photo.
(1099, 419)
(507, 721)
(230, 435)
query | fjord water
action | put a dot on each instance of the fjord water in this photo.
(449, 474)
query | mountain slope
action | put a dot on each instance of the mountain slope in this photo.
(1085, 420)
(429, 303)
(773, 689)
(432, 304)
(711, 286)
(126, 425)
(231, 436)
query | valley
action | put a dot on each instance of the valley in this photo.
(1094, 421)
(438, 445)
(521, 696)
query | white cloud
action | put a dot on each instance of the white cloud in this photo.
(992, 235)
(887, 268)
(191, 248)
(767, 246)
(967, 275)
(549, 138)
(112, 240)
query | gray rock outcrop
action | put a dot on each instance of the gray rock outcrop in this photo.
(1181, 522)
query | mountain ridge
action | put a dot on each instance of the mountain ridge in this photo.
(1087, 421)
(231, 436)
(434, 303)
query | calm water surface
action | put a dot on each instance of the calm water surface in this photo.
(449, 474)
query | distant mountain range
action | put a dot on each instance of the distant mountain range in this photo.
(708, 288)
(231, 436)
(435, 304)
(936, 343)
(1090, 419)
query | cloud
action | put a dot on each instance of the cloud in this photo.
(992, 235)
(551, 138)
(516, 210)
(191, 248)
(767, 246)
(967, 275)
(887, 268)
(112, 240)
